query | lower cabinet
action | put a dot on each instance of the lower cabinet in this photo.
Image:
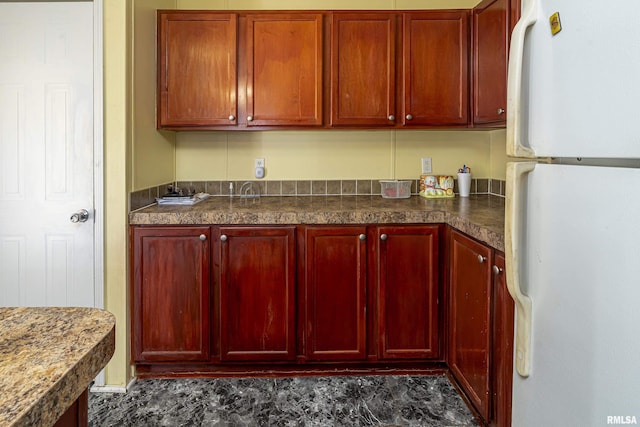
(171, 277)
(255, 282)
(333, 286)
(480, 352)
(406, 288)
(325, 294)
(502, 346)
(370, 292)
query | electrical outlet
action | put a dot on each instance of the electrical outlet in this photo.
(259, 168)
(426, 165)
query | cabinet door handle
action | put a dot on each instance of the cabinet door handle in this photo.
(232, 118)
(497, 270)
(223, 238)
(391, 117)
(362, 237)
(500, 111)
(383, 237)
(203, 237)
(249, 118)
(481, 259)
(409, 117)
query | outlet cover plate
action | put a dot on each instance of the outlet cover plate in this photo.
(426, 165)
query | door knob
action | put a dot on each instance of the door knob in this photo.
(500, 111)
(409, 117)
(81, 216)
(249, 118)
(383, 237)
(481, 259)
(497, 270)
(391, 117)
(232, 118)
(223, 238)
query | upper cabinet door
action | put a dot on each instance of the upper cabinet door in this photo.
(435, 61)
(197, 75)
(363, 69)
(284, 69)
(490, 39)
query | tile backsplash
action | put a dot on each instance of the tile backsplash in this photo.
(347, 187)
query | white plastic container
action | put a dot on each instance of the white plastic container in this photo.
(395, 189)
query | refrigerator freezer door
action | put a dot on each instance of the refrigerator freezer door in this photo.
(579, 263)
(578, 91)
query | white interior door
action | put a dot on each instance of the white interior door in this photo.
(46, 154)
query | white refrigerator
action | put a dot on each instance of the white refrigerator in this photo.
(572, 236)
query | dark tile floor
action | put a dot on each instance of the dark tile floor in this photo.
(300, 401)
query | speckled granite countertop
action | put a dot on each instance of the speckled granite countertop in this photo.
(48, 357)
(480, 216)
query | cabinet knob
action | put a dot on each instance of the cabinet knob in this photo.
(362, 237)
(223, 238)
(232, 118)
(481, 259)
(249, 118)
(500, 111)
(497, 270)
(391, 117)
(409, 117)
(203, 237)
(383, 237)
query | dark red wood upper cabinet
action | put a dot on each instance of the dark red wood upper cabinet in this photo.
(197, 75)
(257, 293)
(171, 283)
(363, 69)
(284, 69)
(490, 47)
(407, 259)
(470, 319)
(333, 288)
(436, 68)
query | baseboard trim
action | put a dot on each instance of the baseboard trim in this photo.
(111, 388)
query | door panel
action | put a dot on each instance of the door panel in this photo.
(435, 56)
(334, 288)
(284, 64)
(257, 293)
(46, 151)
(407, 286)
(363, 69)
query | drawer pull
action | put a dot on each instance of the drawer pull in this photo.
(223, 238)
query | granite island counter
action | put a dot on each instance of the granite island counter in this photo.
(48, 358)
(479, 216)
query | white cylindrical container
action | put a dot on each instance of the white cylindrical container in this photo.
(464, 184)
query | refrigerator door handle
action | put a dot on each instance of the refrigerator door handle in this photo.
(515, 148)
(516, 172)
